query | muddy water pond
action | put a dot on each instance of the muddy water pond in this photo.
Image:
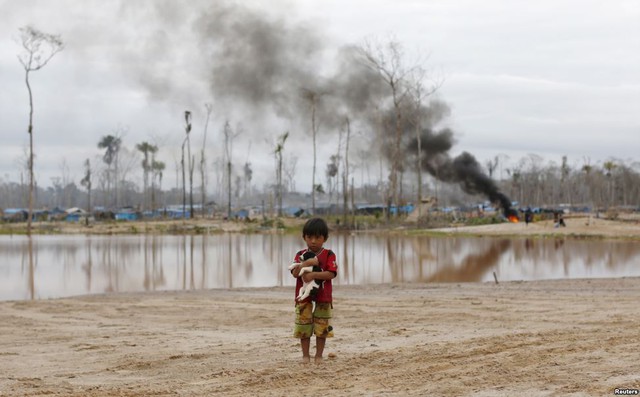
(59, 266)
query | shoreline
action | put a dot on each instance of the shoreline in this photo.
(577, 227)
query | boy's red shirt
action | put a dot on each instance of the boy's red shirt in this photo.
(327, 262)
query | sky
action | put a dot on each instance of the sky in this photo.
(549, 78)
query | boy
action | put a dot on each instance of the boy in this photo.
(310, 320)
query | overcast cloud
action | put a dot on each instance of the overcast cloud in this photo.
(550, 77)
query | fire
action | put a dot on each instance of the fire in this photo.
(513, 218)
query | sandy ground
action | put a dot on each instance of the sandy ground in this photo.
(573, 337)
(558, 338)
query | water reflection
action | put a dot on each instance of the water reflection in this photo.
(473, 266)
(54, 266)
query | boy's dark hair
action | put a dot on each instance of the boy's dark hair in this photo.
(316, 227)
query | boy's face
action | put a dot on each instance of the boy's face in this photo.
(314, 243)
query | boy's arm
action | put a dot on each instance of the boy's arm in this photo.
(330, 273)
(309, 262)
(323, 275)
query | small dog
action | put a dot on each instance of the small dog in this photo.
(310, 288)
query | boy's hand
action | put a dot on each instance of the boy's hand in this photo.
(295, 271)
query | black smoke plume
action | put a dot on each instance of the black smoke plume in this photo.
(463, 169)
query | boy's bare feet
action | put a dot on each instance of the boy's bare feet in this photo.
(317, 360)
(306, 359)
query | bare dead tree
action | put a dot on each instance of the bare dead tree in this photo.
(120, 132)
(345, 175)
(39, 48)
(331, 173)
(289, 169)
(23, 165)
(185, 142)
(229, 136)
(177, 166)
(333, 169)
(192, 163)
(127, 163)
(203, 161)
(387, 60)
(492, 165)
(247, 174)
(86, 182)
(313, 97)
(420, 93)
(65, 181)
(278, 152)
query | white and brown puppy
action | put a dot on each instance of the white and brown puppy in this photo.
(309, 288)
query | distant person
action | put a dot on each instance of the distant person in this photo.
(558, 219)
(314, 318)
(528, 216)
(561, 220)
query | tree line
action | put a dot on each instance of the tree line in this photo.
(530, 180)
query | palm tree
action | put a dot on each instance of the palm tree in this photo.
(587, 168)
(609, 166)
(111, 144)
(564, 176)
(157, 168)
(146, 149)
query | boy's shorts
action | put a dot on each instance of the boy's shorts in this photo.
(313, 321)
